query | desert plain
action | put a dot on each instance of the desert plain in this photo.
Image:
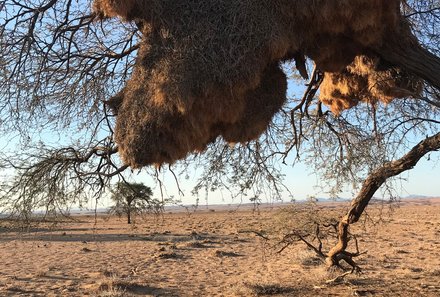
(216, 251)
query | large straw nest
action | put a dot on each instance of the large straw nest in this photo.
(261, 105)
(321, 28)
(210, 67)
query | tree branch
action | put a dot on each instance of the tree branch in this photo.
(373, 182)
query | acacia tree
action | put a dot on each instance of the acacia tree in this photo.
(131, 198)
(59, 66)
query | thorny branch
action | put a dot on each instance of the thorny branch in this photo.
(302, 108)
(371, 184)
(58, 59)
(55, 178)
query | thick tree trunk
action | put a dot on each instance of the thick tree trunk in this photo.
(416, 60)
(406, 52)
(370, 186)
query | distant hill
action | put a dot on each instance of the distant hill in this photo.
(416, 196)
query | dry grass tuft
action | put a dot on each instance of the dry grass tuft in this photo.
(112, 288)
(41, 273)
(308, 259)
(435, 272)
(221, 254)
(168, 255)
(268, 289)
(196, 244)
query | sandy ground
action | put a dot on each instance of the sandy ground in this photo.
(212, 253)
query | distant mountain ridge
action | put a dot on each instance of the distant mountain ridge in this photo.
(417, 196)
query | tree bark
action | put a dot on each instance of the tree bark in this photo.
(129, 211)
(371, 185)
(405, 51)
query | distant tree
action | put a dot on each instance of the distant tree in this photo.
(131, 198)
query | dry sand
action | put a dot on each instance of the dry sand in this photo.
(209, 253)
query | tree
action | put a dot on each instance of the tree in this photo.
(59, 65)
(131, 198)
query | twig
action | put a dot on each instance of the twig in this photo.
(259, 234)
(338, 279)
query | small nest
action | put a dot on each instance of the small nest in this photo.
(366, 80)
(210, 68)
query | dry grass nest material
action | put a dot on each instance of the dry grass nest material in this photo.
(209, 68)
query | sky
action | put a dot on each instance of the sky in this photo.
(423, 180)
(302, 182)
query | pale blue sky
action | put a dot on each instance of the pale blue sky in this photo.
(302, 182)
(422, 180)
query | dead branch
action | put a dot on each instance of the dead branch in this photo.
(303, 107)
(369, 187)
(338, 279)
(257, 233)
